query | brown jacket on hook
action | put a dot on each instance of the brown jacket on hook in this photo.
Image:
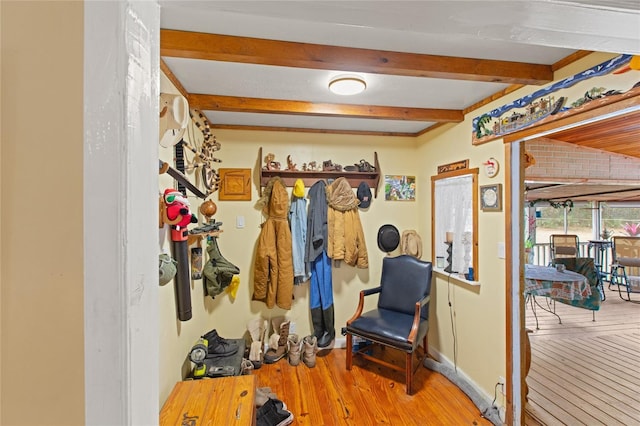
(273, 268)
(345, 239)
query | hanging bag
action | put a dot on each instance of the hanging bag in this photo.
(218, 272)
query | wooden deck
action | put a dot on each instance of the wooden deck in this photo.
(584, 372)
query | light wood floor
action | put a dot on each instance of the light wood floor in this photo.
(584, 372)
(369, 394)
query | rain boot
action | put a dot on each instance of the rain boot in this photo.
(316, 321)
(275, 355)
(309, 349)
(328, 327)
(294, 347)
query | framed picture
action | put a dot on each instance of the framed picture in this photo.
(399, 188)
(491, 197)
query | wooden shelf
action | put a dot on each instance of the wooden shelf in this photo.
(289, 177)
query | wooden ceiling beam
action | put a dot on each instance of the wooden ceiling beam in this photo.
(215, 47)
(277, 106)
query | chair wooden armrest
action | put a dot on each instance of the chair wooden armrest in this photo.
(363, 293)
(416, 318)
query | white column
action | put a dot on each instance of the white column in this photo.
(121, 72)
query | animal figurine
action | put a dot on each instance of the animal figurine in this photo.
(290, 164)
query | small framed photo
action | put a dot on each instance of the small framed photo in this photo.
(491, 197)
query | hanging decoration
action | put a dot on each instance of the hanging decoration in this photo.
(555, 204)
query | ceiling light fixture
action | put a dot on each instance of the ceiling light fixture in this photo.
(347, 85)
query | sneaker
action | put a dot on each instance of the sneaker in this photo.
(273, 413)
(221, 348)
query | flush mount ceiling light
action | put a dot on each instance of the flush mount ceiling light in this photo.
(347, 85)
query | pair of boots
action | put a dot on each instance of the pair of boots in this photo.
(323, 326)
(304, 349)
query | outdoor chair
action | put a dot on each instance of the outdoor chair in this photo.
(563, 246)
(625, 270)
(401, 318)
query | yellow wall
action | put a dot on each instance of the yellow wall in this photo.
(41, 207)
(479, 311)
(240, 150)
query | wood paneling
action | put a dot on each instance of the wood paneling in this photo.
(620, 135)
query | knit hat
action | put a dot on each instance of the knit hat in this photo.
(298, 188)
(388, 238)
(364, 195)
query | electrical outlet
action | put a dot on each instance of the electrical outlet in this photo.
(292, 327)
(503, 385)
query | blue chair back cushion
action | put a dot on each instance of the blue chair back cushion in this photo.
(405, 280)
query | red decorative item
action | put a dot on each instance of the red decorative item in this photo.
(178, 214)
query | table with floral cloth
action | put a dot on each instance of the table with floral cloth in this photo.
(555, 285)
(547, 281)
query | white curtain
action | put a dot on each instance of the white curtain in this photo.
(454, 213)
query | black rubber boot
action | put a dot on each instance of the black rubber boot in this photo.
(328, 328)
(317, 322)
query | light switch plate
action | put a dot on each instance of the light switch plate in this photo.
(239, 222)
(501, 249)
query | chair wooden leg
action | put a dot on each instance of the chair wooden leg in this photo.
(409, 372)
(349, 351)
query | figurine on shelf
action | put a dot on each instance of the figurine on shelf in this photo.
(291, 166)
(271, 164)
(312, 166)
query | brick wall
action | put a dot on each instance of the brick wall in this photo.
(567, 161)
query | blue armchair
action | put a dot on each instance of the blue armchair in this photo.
(401, 319)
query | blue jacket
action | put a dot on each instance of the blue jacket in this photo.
(298, 225)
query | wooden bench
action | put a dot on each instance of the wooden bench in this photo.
(220, 401)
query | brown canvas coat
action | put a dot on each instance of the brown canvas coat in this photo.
(273, 268)
(345, 239)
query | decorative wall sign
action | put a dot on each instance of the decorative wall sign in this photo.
(491, 197)
(235, 185)
(491, 167)
(602, 84)
(451, 167)
(399, 188)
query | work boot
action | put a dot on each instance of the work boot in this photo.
(218, 346)
(276, 355)
(294, 347)
(309, 349)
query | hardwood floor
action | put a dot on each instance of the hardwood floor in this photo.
(369, 394)
(584, 372)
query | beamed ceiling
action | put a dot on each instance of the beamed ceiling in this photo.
(266, 65)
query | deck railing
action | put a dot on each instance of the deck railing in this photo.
(541, 255)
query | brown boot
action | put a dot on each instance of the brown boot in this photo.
(294, 347)
(276, 355)
(309, 349)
